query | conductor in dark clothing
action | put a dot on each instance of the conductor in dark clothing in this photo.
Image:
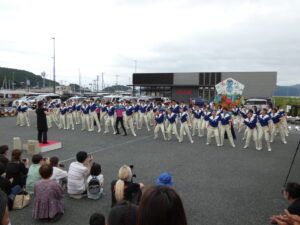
(42, 127)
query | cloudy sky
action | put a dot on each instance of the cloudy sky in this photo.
(107, 36)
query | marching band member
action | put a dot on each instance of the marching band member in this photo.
(196, 124)
(62, 116)
(225, 126)
(119, 114)
(171, 117)
(206, 115)
(264, 129)
(129, 117)
(74, 111)
(69, 115)
(277, 126)
(143, 115)
(85, 116)
(250, 122)
(93, 115)
(184, 127)
(236, 117)
(53, 113)
(110, 118)
(78, 112)
(213, 128)
(284, 120)
(243, 113)
(24, 115)
(47, 107)
(136, 114)
(19, 116)
(103, 115)
(175, 109)
(150, 112)
(159, 124)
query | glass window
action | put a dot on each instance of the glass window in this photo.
(206, 93)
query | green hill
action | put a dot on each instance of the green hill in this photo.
(18, 77)
(116, 88)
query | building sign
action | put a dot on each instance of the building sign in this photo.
(184, 92)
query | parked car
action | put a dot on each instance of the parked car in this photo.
(77, 98)
(25, 99)
(33, 102)
(112, 98)
(129, 98)
(8, 96)
(263, 102)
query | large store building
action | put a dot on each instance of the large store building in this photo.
(183, 86)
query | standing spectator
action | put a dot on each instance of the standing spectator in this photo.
(77, 175)
(97, 219)
(33, 172)
(95, 182)
(161, 205)
(124, 213)
(47, 197)
(58, 174)
(4, 214)
(17, 168)
(124, 188)
(42, 127)
(3, 155)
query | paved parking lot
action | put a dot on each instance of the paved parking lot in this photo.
(218, 186)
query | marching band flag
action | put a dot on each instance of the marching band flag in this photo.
(230, 87)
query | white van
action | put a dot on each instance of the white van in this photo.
(112, 98)
(263, 102)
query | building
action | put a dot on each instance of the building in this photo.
(183, 86)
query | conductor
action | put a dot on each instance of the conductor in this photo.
(41, 113)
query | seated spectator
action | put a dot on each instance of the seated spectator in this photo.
(95, 182)
(164, 179)
(4, 214)
(124, 213)
(33, 172)
(292, 193)
(59, 174)
(17, 169)
(124, 188)
(161, 205)
(3, 155)
(48, 195)
(287, 219)
(77, 175)
(97, 219)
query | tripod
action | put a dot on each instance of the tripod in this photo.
(292, 163)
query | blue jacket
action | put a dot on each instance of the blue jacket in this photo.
(93, 107)
(206, 115)
(243, 114)
(275, 117)
(264, 120)
(86, 109)
(171, 118)
(24, 108)
(78, 107)
(175, 109)
(251, 123)
(197, 114)
(129, 110)
(225, 119)
(183, 117)
(214, 122)
(160, 118)
(136, 108)
(111, 111)
(63, 110)
(70, 109)
(143, 108)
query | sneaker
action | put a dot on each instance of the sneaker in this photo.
(245, 147)
(207, 143)
(134, 135)
(269, 149)
(99, 130)
(233, 146)
(285, 142)
(105, 132)
(258, 149)
(192, 142)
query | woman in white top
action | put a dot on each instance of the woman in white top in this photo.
(95, 182)
(58, 174)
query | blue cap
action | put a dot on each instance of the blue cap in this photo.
(164, 179)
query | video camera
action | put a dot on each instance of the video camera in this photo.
(133, 174)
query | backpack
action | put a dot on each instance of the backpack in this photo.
(94, 186)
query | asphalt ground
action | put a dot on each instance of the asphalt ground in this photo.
(218, 185)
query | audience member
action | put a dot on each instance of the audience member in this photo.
(161, 205)
(124, 188)
(95, 182)
(59, 174)
(97, 219)
(77, 175)
(33, 172)
(164, 179)
(291, 192)
(3, 155)
(124, 213)
(17, 169)
(4, 214)
(48, 195)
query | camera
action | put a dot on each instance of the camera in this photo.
(133, 174)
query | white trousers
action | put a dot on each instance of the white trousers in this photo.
(136, 119)
(277, 128)
(226, 129)
(85, 121)
(62, 121)
(49, 120)
(93, 118)
(18, 118)
(197, 124)
(159, 126)
(251, 133)
(70, 122)
(144, 117)
(204, 126)
(172, 128)
(263, 132)
(184, 127)
(128, 123)
(24, 119)
(110, 121)
(213, 131)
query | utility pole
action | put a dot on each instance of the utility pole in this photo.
(135, 65)
(102, 82)
(54, 84)
(13, 80)
(117, 79)
(97, 83)
(79, 81)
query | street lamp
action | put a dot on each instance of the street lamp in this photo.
(54, 84)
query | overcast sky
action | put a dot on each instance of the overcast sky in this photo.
(107, 36)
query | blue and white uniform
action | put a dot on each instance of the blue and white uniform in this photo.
(94, 117)
(172, 129)
(277, 127)
(184, 127)
(263, 130)
(85, 117)
(128, 122)
(159, 119)
(110, 120)
(197, 122)
(225, 126)
(251, 131)
(213, 129)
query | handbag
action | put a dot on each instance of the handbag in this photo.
(21, 200)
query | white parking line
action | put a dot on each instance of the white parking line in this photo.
(111, 146)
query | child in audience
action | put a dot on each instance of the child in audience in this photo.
(97, 219)
(95, 182)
